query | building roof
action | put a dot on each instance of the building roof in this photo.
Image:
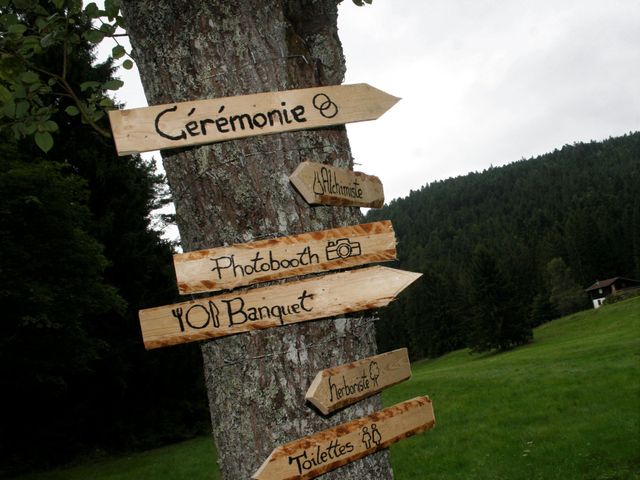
(610, 281)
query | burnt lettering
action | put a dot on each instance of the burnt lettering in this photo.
(231, 123)
(318, 455)
(325, 182)
(261, 264)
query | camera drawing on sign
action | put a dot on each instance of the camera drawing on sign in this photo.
(342, 248)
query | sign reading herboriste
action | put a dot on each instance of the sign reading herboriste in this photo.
(328, 185)
(344, 385)
(314, 455)
(273, 306)
(206, 121)
(265, 260)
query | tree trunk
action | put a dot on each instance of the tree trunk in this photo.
(238, 190)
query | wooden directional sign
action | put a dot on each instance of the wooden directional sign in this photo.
(214, 120)
(273, 306)
(328, 185)
(314, 455)
(264, 260)
(341, 386)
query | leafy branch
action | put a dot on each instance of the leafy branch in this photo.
(31, 94)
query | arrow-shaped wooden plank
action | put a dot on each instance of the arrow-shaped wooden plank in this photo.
(328, 185)
(338, 387)
(215, 120)
(314, 455)
(265, 260)
(273, 306)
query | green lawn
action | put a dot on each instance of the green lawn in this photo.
(565, 407)
(190, 460)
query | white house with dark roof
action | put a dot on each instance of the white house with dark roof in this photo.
(603, 288)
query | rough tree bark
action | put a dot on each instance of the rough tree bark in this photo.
(237, 191)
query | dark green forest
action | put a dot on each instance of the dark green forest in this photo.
(509, 248)
(79, 257)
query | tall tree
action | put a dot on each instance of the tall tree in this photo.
(80, 258)
(51, 288)
(496, 321)
(566, 296)
(238, 190)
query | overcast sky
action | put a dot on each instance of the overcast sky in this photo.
(485, 82)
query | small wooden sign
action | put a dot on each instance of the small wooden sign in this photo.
(321, 184)
(314, 455)
(273, 306)
(215, 120)
(265, 260)
(338, 387)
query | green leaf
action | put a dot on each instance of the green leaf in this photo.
(92, 10)
(18, 29)
(29, 77)
(75, 6)
(19, 91)
(44, 140)
(90, 85)
(49, 126)
(40, 10)
(107, 29)
(106, 102)
(94, 36)
(112, 7)
(58, 4)
(5, 94)
(9, 19)
(31, 128)
(72, 110)
(97, 115)
(22, 108)
(25, 4)
(127, 64)
(112, 84)
(118, 51)
(30, 45)
(9, 109)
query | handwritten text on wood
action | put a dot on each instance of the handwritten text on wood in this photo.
(314, 455)
(265, 260)
(273, 306)
(344, 385)
(214, 120)
(321, 184)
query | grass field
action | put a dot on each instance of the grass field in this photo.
(565, 407)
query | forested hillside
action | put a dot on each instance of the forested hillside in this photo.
(511, 247)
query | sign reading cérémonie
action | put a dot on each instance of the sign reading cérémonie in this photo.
(215, 120)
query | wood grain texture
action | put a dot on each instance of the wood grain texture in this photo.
(314, 455)
(344, 385)
(321, 184)
(273, 306)
(198, 122)
(265, 260)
